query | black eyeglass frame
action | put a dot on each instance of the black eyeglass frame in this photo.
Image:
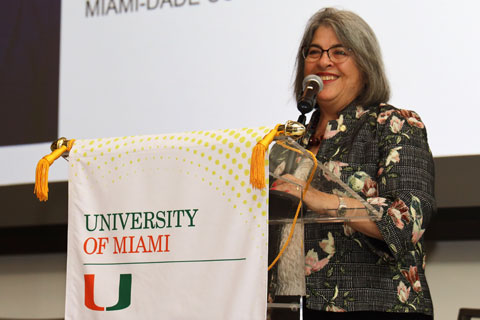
(306, 48)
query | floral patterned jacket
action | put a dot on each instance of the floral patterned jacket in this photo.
(382, 153)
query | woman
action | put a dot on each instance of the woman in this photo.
(363, 267)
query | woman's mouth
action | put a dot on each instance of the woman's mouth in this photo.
(328, 77)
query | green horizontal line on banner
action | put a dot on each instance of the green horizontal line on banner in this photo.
(155, 262)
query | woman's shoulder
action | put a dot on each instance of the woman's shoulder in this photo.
(387, 114)
(398, 128)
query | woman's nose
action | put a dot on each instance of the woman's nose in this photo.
(324, 60)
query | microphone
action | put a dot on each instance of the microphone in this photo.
(312, 85)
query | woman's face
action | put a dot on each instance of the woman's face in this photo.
(342, 81)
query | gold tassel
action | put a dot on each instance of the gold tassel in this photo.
(257, 165)
(41, 174)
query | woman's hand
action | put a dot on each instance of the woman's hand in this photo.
(314, 199)
(322, 202)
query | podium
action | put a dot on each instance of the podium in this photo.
(170, 215)
(288, 262)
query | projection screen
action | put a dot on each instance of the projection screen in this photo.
(131, 67)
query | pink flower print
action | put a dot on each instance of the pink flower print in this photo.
(360, 112)
(328, 245)
(380, 171)
(415, 122)
(335, 167)
(413, 118)
(412, 277)
(402, 292)
(417, 232)
(417, 217)
(399, 213)
(329, 133)
(312, 264)
(384, 116)
(370, 188)
(396, 124)
(334, 308)
(393, 156)
(379, 201)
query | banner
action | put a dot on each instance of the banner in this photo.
(166, 227)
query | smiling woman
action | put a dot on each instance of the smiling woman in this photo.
(363, 267)
(342, 79)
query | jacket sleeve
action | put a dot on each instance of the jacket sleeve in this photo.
(405, 181)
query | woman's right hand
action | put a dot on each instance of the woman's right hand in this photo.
(314, 199)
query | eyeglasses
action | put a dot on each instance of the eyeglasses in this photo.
(337, 53)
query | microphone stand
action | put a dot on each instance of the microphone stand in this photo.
(290, 161)
(302, 119)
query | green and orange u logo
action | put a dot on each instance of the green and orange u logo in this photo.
(124, 293)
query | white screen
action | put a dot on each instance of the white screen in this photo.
(229, 64)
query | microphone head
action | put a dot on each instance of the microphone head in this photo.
(314, 79)
(312, 85)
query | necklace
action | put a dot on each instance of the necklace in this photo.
(315, 141)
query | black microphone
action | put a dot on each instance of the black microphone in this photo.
(312, 85)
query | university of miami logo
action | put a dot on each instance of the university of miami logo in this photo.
(124, 293)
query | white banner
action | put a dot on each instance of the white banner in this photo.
(166, 227)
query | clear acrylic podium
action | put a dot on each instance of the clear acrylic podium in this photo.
(286, 276)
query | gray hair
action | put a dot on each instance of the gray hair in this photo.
(355, 34)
